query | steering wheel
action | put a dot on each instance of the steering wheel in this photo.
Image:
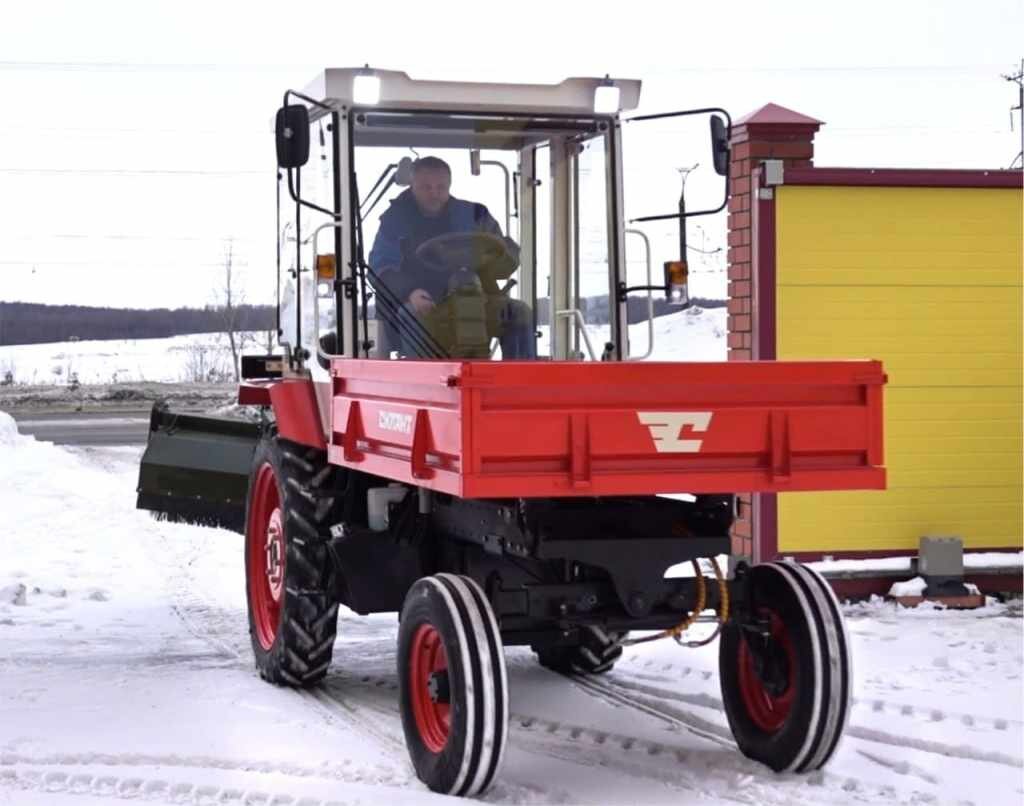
(481, 252)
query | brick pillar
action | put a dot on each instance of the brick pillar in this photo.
(770, 133)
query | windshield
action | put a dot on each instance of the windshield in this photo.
(482, 236)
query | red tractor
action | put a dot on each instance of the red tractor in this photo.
(425, 456)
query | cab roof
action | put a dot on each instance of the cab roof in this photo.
(573, 96)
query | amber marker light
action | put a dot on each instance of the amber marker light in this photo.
(676, 276)
(325, 267)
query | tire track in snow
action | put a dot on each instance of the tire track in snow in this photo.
(720, 775)
(204, 620)
(900, 767)
(657, 709)
(653, 696)
(148, 789)
(718, 772)
(347, 771)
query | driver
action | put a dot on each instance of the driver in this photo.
(427, 210)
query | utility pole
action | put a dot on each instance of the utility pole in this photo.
(1018, 79)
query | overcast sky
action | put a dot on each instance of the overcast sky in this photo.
(136, 141)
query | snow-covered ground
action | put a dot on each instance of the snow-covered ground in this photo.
(195, 357)
(125, 674)
(696, 334)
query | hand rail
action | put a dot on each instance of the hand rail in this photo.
(316, 291)
(508, 201)
(650, 299)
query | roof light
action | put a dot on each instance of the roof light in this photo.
(606, 98)
(366, 88)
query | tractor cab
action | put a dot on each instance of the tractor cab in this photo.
(426, 219)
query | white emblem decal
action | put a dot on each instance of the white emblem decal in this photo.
(393, 421)
(667, 426)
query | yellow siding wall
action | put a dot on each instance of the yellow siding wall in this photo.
(929, 281)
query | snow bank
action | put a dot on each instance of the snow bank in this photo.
(9, 436)
(972, 560)
(912, 587)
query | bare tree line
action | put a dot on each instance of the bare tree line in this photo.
(32, 323)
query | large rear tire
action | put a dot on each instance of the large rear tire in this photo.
(453, 685)
(787, 695)
(292, 613)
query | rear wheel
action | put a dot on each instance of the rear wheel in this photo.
(596, 653)
(785, 673)
(453, 685)
(292, 612)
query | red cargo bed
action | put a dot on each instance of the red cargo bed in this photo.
(479, 429)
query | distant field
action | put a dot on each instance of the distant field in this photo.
(180, 359)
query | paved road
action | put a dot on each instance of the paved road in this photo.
(86, 428)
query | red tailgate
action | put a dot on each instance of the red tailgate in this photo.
(530, 430)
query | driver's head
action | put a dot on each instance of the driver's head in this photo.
(431, 181)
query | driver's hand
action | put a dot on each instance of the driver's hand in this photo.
(420, 301)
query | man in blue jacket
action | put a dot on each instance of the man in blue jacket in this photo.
(427, 210)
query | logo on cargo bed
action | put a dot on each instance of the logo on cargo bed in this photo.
(666, 427)
(393, 421)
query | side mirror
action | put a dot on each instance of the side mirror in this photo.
(291, 133)
(720, 145)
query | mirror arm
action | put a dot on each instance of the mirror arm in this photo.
(303, 202)
(703, 111)
(694, 214)
(307, 99)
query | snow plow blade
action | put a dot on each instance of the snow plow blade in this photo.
(196, 468)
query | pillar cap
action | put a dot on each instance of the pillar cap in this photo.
(774, 119)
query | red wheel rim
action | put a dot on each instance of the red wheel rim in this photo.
(433, 719)
(264, 534)
(768, 711)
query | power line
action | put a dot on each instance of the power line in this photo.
(136, 172)
(275, 68)
(130, 67)
(137, 264)
(123, 237)
(760, 69)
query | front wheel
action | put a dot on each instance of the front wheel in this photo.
(453, 685)
(785, 670)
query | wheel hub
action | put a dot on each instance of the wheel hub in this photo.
(770, 665)
(265, 556)
(274, 549)
(767, 670)
(429, 687)
(438, 687)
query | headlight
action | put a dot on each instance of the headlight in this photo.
(606, 98)
(366, 88)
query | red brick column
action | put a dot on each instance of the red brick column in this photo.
(770, 133)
